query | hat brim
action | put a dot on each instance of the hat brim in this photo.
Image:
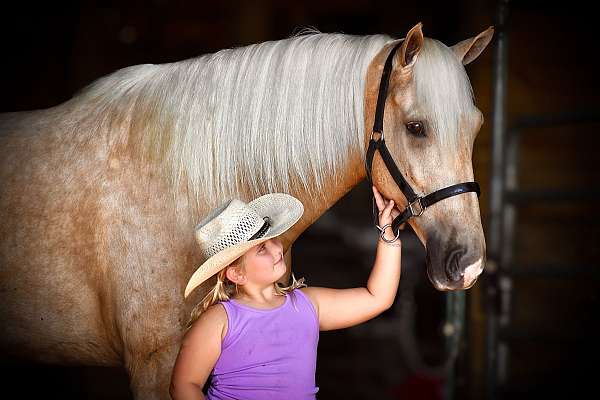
(283, 211)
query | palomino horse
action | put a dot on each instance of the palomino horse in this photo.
(100, 194)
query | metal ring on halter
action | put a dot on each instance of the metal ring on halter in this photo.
(382, 229)
(382, 234)
(380, 138)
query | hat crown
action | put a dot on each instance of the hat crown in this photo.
(225, 234)
(232, 223)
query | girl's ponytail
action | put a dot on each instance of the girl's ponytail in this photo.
(222, 290)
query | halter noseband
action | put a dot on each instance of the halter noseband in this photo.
(416, 204)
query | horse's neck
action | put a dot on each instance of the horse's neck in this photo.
(335, 187)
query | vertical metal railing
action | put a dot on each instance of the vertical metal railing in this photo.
(453, 331)
(494, 239)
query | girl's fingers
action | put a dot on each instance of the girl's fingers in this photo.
(385, 207)
(378, 199)
(388, 208)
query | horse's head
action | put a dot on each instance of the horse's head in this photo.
(430, 126)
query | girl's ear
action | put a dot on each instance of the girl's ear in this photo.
(235, 274)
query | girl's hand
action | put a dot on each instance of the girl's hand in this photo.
(387, 211)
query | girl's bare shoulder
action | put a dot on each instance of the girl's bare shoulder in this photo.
(214, 319)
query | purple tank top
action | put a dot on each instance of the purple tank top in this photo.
(268, 354)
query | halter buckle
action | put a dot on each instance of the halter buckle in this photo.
(380, 137)
(421, 207)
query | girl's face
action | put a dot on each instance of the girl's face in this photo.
(264, 264)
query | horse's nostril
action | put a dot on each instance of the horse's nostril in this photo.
(453, 270)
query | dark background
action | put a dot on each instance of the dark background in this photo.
(49, 51)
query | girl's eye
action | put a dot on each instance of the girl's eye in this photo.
(416, 128)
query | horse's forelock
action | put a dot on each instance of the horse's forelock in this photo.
(443, 90)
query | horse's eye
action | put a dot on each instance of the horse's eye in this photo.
(416, 128)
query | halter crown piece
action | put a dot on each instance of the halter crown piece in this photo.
(416, 204)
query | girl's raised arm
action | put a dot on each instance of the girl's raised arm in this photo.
(343, 308)
(199, 352)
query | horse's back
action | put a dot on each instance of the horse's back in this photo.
(26, 140)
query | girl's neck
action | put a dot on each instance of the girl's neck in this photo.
(259, 297)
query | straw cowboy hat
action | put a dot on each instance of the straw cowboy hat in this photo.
(235, 227)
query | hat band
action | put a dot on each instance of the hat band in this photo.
(263, 229)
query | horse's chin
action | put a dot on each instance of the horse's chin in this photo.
(469, 278)
(446, 286)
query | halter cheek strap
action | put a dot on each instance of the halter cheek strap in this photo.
(416, 204)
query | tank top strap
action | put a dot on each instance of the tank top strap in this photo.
(232, 322)
(302, 302)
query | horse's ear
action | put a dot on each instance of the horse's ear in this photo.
(469, 49)
(411, 46)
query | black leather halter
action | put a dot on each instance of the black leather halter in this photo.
(416, 204)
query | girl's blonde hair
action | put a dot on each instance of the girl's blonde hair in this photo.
(224, 289)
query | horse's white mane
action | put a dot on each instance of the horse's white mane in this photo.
(266, 117)
(273, 115)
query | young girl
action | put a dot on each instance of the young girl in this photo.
(254, 338)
